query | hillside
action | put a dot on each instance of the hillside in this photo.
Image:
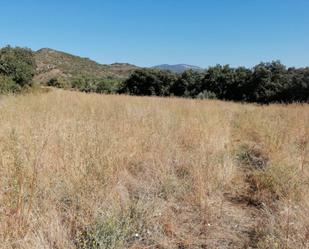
(54, 64)
(179, 68)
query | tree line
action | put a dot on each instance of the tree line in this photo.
(264, 83)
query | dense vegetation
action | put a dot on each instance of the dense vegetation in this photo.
(266, 82)
(17, 68)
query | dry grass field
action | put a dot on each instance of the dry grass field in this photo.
(93, 171)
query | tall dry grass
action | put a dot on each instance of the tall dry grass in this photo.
(93, 171)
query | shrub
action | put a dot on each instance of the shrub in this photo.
(206, 95)
(84, 84)
(99, 85)
(17, 63)
(117, 229)
(276, 182)
(252, 157)
(8, 85)
(55, 82)
(107, 86)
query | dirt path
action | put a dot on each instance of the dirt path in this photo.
(1, 101)
(236, 229)
(237, 224)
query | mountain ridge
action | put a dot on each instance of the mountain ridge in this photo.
(57, 64)
(52, 63)
(178, 68)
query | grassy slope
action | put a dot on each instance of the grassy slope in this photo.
(85, 170)
(52, 63)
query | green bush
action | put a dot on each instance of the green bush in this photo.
(206, 95)
(277, 182)
(84, 84)
(252, 156)
(8, 85)
(99, 85)
(18, 64)
(107, 86)
(116, 229)
(58, 82)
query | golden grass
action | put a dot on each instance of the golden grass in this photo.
(94, 171)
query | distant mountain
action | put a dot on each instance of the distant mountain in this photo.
(179, 68)
(54, 64)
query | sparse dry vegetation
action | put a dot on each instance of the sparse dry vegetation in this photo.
(93, 171)
(52, 64)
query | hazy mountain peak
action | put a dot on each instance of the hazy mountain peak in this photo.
(178, 68)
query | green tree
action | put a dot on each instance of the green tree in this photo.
(218, 80)
(240, 88)
(149, 82)
(18, 64)
(269, 81)
(188, 84)
(297, 87)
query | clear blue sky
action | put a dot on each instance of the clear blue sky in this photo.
(151, 32)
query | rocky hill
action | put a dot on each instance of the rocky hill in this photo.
(56, 64)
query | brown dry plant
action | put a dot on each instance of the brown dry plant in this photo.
(105, 171)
